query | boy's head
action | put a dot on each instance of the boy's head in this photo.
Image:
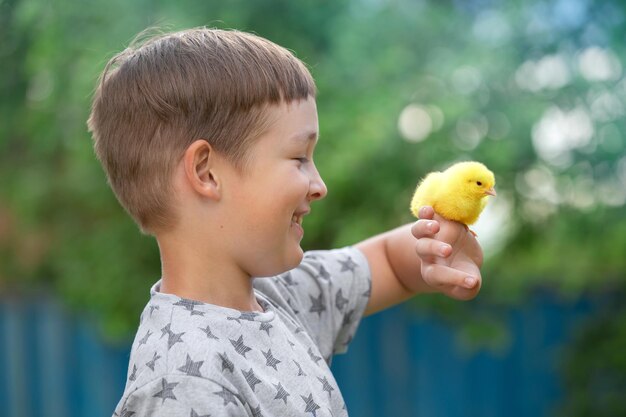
(155, 99)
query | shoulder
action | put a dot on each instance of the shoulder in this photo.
(325, 295)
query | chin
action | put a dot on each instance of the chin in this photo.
(292, 260)
(297, 258)
(289, 262)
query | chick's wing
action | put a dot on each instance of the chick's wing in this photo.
(426, 192)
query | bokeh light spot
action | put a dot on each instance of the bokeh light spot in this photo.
(597, 64)
(415, 123)
(559, 131)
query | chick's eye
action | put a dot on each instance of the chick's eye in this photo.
(479, 183)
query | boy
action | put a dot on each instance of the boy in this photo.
(207, 139)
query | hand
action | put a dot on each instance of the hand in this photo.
(451, 256)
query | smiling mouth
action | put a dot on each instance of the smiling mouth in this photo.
(297, 219)
(299, 216)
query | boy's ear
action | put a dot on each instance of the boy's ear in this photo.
(199, 162)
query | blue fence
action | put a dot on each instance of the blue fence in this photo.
(400, 365)
(53, 365)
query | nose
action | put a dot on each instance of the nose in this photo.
(317, 187)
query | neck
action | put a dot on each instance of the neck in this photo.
(193, 272)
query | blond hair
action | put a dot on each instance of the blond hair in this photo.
(156, 98)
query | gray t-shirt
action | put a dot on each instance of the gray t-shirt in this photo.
(194, 359)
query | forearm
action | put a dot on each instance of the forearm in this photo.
(394, 267)
(404, 261)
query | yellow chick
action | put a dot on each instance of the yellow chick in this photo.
(459, 193)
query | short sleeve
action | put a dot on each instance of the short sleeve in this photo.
(184, 396)
(327, 294)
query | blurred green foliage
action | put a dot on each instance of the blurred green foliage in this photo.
(534, 89)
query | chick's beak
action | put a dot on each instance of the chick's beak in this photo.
(491, 191)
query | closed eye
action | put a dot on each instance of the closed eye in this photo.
(302, 160)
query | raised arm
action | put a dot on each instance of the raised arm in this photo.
(430, 255)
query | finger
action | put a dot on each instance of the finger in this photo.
(440, 275)
(426, 212)
(425, 228)
(450, 231)
(429, 248)
(461, 293)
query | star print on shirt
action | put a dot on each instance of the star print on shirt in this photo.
(251, 378)
(310, 405)
(133, 376)
(348, 265)
(266, 326)
(281, 393)
(326, 386)
(369, 290)
(191, 368)
(270, 359)
(144, 340)
(126, 413)
(172, 338)
(323, 273)
(244, 315)
(150, 364)
(227, 396)
(167, 390)
(190, 306)
(226, 363)
(295, 310)
(240, 347)
(256, 412)
(166, 330)
(288, 279)
(317, 304)
(208, 333)
(152, 308)
(300, 371)
(347, 319)
(340, 300)
(314, 357)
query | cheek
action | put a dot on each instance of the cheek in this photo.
(288, 185)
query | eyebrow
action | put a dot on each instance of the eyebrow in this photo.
(306, 137)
